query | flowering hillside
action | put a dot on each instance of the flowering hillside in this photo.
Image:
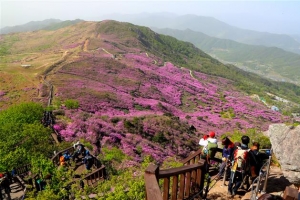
(144, 104)
(117, 84)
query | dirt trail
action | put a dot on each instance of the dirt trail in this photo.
(276, 185)
(86, 44)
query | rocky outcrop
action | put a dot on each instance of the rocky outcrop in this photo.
(286, 147)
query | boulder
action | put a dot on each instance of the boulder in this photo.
(285, 142)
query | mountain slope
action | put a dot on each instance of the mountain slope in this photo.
(214, 28)
(48, 24)
(30, 26)
(140, 91)
(269, 61)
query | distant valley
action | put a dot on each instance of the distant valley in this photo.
(270, 62)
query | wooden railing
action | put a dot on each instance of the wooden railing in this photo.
(177, 183)
(55, 158)
(23, 170)
(94, 177)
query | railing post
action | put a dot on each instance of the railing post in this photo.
(267, 173)
(151, 183)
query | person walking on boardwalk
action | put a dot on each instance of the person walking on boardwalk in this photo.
(239, 167)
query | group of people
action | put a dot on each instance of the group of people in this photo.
(87, 158)
(238, 157)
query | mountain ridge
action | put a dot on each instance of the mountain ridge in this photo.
(267, 60)
(215, 28)
(46, 24)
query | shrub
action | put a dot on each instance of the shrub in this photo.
(159, 138)
(115, 120)
(72, 104)
(200, 118)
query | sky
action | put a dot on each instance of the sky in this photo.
(281, 17)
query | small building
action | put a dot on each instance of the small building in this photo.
(25, 66)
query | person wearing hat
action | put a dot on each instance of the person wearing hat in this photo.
(210, 138)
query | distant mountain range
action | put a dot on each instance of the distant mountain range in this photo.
(270, 62)
(211, 27)
(48, 24)
(267, 59)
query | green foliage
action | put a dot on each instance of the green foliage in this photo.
(171, 162)
(41, 165)
(72, 104)
(22, 114)
(112, 154)
(115, 120)
(134, 125)
(229, 114)
(140, 107)
(159, 138)
(22, 135)
(254, 136)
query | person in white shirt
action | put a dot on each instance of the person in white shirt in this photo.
(208, 138)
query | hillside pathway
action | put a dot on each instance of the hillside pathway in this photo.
(276, 185)
(16, 191)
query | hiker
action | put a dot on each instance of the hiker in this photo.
(1, 179)
(79, 149)
(62, 161)
(256, 159)
(239, 167)
(88, 160)
(67, 157)
(5, 185)
(227, 155)
(209, 143)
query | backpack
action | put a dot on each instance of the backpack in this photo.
(62, 160)
(240, 160)
(210, 150)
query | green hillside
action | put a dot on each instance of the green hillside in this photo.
(268, 61)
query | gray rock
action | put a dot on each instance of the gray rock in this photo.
(285, 142)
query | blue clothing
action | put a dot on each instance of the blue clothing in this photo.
(88, 161)
(244, 146)
(227, 152)
(67, 157)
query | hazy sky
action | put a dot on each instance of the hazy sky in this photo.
(271, 16)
